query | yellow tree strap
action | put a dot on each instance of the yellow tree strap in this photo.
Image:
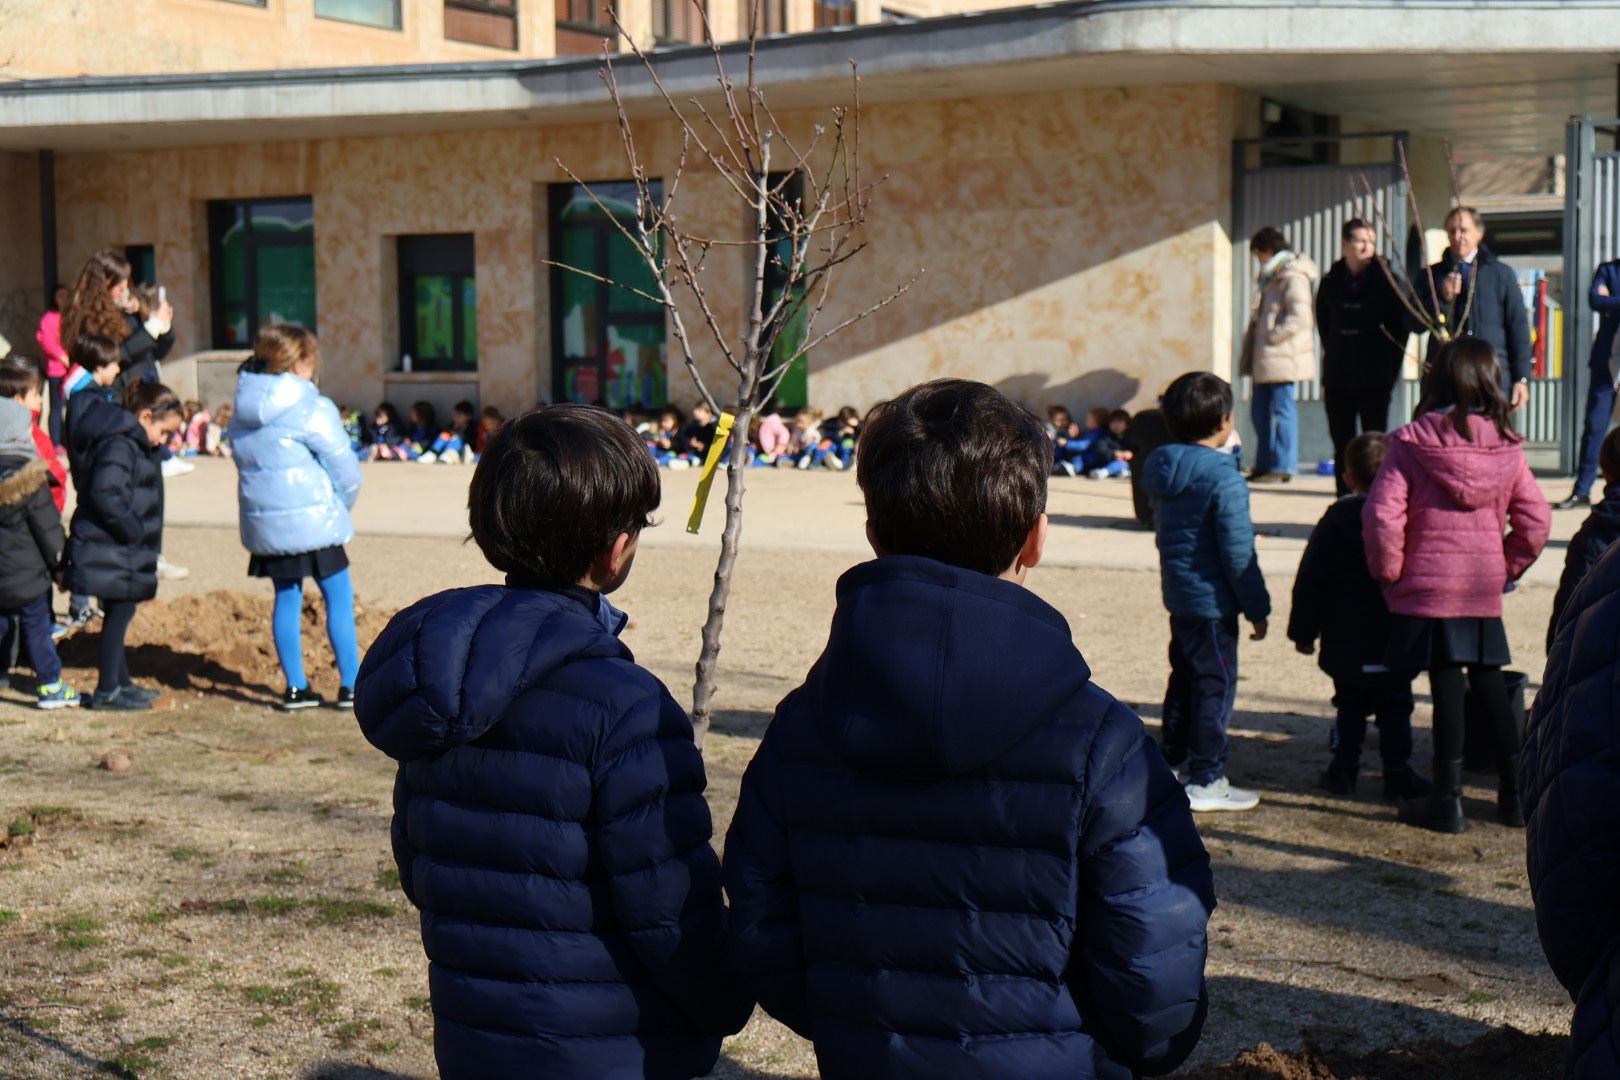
(717, 450)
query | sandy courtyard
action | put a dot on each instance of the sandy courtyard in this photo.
(228, 907)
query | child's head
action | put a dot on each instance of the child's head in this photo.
(156, 408)
(1362, 459)
(288, 349)
(1198, 407)
(808, 418)
(492, 419)
(222, 415)
(561, 496)
(1467, 379)
(702, 413)
(385, 414)
(146, 299)
(955, 471)
(97, 355)
(670, 419)
(423, 415)
(1609, 457)
(462, 413)
(1096, 418)
(1059, 416)
(192, 408)
(849, 417)
(1119, 421)
(20, 381)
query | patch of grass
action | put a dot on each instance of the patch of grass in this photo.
(21, 827)
(77, 932)
(270, 995)
(1477, 998)
(90, 967)
(41, 813)
(262, 1020)
(111, 1013)
(126, 1064)
(154, 1042)
(174, 960)
(386, 972)
(276, 905)
(157, 917)
(383, 1047)
(236, 796)
(330, 910)
(1507, 885)
(418, 1002)
(8, 916)
(285, 875)
(183, 854)
(321, 760)
(389, 878)
(261, 808)
(355, 1028)
(302, 973)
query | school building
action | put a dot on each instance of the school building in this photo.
(1076, 180)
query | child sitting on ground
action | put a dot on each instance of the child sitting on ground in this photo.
(954, 854)
(1210, 575)
(216, 440)
(31, 540)
(773, 440)
(1068, 444)
(1599, 532)
(662, 442)
(197, 421)
(389, 441)
(550, 821)
(810, 445)
(490, 421)
(454, 445)
(692, 442)
(1109, 454)
(846, 434)
(422, 430)
(1336, 599)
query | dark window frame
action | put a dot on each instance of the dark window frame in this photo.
(832, 13)
(601, 25)
(767, 9)
(456, 264)
(250, 270)
(485, 7)
(397, 27)
(664, 16)
(558, 197)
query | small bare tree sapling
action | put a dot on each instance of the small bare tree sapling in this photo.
(805, 203)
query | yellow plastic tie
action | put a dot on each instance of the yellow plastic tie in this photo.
(717, 450)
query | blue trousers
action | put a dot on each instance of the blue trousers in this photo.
(1385, 696)
(1599, 410)
(1198, 702)
(1276, 428)
(337, 592)
(30, 625)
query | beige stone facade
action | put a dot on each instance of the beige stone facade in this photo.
(1073, 246)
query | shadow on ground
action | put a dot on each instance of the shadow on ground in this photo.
(342, 1070)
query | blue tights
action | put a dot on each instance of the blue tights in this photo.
(338, 593)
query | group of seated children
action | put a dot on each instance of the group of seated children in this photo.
(423, 440)
(1100, 450)
(809, 438)
(203, 432)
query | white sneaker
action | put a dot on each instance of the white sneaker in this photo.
(428, 458)
(168, 571)
(1067, 467)
(176, 467)
(1098, 474)
(679, 463)
(1219, 794)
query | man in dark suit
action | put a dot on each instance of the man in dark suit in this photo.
(1471, 291)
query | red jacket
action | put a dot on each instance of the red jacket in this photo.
(1435, 518)
(47, 453)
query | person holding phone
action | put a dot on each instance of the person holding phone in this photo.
(103, 303)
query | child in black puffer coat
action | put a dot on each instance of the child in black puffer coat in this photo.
(1599, 532)
(118, 524)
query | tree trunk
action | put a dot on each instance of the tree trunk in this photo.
(736, 483)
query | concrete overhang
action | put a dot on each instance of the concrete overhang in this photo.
(1497, 77)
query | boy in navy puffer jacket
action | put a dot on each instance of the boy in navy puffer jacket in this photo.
(954, 855)
(1210, 575)
(549, 818)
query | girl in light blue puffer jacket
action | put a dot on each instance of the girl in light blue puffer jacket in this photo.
(297, 477)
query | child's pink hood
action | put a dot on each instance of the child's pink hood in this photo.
(1476, 472)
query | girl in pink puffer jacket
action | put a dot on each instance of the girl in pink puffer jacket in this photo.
(1453, 481)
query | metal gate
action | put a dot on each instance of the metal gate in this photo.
(1591, 236)
(1309, 203)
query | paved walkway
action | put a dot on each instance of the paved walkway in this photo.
(816, 511)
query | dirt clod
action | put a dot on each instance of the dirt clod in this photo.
(116, 762)
(1504, 1054)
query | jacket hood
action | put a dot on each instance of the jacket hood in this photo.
(1173, 468)
(935, 670)
(16, 429)
(449, 667)
(98, 419)
(20, 479)
(1302, 264)
(262, 399)
(1474, 473)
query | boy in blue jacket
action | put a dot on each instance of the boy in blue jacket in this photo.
(549, 819)
(954, 854)
(1210, 575)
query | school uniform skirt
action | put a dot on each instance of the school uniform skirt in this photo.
(312, 564)
(1417, 644)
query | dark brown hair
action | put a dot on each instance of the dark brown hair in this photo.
(1269, 239)
(1609, 456)
(17, 377)
(955, 471)
(90, 308)
(1363, 458)
(1466, 378)
(92, 352)
(1348, 230)
(554, 488)
(141, 396)
(1196, 404)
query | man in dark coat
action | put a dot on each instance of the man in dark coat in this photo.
(1473, 292)
(955, 855)
(1362, 324)
(1604, 368)
(1569, 773)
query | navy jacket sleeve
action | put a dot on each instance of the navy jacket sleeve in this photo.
(1146, 894)
(653, 830)
(1312, 584)
(45, 523)
(1607, 275)
(767, 943)
(1578, 562)
(112, 479)
(1234, 534)
(1516, 326)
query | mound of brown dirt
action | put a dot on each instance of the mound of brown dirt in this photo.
(1504, 1054)
(219, 643)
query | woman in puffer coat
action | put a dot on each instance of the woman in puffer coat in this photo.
(1434, 523)
(297, 479)
(1570, 773)
(117, 529)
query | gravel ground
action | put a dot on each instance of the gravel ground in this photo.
(227, 907)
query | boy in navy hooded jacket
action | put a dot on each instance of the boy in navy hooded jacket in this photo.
(549, 819)
(954, 855)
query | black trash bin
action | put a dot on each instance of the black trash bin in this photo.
(1479, 743)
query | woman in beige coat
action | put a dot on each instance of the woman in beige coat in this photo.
(1279, 349)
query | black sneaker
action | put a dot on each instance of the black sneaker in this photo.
(1574, 501)
(118, 699)
(1338, 779)
(295, 699)
(140, 692)
(345, 699)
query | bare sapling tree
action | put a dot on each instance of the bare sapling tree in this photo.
(802, 208)
(1428, 309)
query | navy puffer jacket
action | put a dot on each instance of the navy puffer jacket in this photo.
(549, 823)
(117, 531)
(1568, 774)
(1207, 562)
(955, 856)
